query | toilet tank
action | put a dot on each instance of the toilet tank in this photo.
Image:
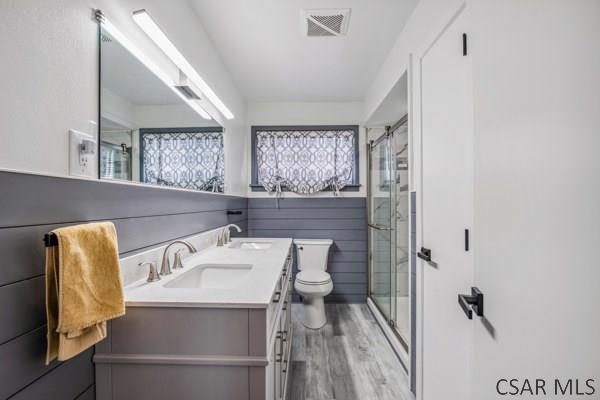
(312, 253)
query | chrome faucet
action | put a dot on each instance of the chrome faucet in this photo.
(165, 267)
(225, 235)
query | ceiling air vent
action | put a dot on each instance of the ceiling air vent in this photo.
(326, 22)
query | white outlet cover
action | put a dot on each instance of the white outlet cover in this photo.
(82, 165)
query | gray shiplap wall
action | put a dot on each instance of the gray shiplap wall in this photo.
(341, 219)
(31, 205)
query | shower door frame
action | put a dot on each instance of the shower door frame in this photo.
(391, 320)
(386, 136)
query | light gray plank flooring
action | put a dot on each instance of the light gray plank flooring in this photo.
(348, 359)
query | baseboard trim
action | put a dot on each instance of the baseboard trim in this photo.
(178, 359)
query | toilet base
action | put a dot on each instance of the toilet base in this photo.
(314, 312)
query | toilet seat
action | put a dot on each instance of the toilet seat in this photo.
(313, 290)
(313, 277)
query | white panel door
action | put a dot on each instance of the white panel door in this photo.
(446, 211)
(537, 197)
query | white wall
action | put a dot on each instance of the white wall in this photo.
(49, 82)
(50, 77)
(424, 23)
(133, 116)
(169, 116)
(287, 113)
(117, 109)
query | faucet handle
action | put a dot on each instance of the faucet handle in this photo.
(177, 260)
(220, 238)
(153, 275)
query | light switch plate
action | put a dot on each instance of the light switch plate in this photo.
(82, 161)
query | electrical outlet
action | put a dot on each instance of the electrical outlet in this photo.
(82, 154)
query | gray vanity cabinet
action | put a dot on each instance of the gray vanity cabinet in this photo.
(282, 342)
(207, 353)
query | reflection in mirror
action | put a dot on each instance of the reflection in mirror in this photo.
(148, 133)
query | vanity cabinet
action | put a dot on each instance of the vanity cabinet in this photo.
(208, 352)
(281, 342)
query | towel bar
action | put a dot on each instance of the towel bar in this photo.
(50, 239)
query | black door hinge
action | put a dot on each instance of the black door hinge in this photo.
(464, 40)
(466, 240)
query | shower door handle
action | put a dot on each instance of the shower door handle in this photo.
(379, 227)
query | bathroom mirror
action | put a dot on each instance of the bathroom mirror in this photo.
(148, 132)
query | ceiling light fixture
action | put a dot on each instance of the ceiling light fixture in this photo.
(147, 24)
(117, 35)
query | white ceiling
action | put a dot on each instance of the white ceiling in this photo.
(270, 59)
(128, 78)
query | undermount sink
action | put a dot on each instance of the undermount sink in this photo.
(250, 245)
(211, 276)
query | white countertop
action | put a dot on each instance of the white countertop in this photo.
(254, 291)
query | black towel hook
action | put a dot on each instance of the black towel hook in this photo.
(50, 239)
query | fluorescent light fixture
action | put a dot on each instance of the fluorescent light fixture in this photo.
(151, 65)
(147, 24)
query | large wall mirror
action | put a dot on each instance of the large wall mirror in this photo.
(148, 133)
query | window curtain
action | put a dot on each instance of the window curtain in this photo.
(305, 162)
(190, 160)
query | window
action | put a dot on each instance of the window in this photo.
(190, 158)
(304, 159)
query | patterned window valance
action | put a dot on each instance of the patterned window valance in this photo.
(190, 158)
(305, 161)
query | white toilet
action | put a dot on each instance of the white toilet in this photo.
(312, 282)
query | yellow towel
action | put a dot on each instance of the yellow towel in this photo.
(83, 288)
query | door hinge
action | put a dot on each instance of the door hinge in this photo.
(466, 240)
(464, 43)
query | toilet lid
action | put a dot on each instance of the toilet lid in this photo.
(313, 277)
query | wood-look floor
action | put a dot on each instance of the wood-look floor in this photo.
(347, 359)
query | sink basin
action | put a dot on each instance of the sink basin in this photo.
(211, 276)
(250, 245)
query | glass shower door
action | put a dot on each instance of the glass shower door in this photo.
(401, 218)
(382, 282)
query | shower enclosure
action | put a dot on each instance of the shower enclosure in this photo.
(116, 154)
(389, 228)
